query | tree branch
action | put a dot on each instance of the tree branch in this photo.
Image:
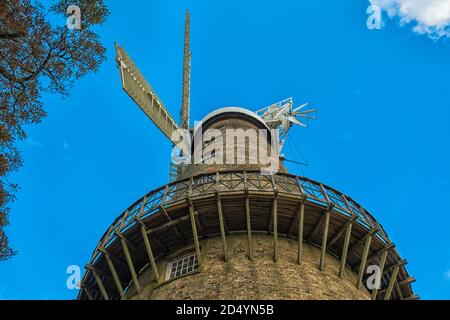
(12, 36)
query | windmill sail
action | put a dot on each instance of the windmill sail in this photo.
(143, 95)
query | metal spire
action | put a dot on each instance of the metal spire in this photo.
(185, 102)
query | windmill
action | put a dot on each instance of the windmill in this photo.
(281, 115)
(169, 238)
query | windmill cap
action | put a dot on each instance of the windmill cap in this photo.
(232, 112)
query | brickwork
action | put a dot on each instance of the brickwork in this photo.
(262, 278)
(244, 146)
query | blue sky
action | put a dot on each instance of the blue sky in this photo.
(382, 134)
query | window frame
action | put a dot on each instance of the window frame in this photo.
(180, 259)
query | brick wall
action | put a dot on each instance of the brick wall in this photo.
(262, 278)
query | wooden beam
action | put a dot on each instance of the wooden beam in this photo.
(249, 226)
(381, 266)
(126, 251)
(199, 225)
(88, 293)
(270, 221)
(148, 247)
(360, 242)
(194, 232)
(392, 281)
(407, 281)
(102, 273)
(324, 240)
(398, 291)
(114, 274)
(168, 224)
(387, 247)
(141, 209)
(99, 282)
(398, 284)
(392, 266)
(341, 231)
(412, 297)
(132, 246)
(222, 227)
(300, 232)
(173, 225)
(348, 234)
(316, 229)
(294, 221)
(154, 237)
(362, 266)
(124, 218)
(275, 227)
(116, 260)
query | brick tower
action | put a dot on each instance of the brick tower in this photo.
(221, 230)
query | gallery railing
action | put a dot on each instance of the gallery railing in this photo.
(205, 184)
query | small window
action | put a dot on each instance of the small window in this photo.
(182, 265)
